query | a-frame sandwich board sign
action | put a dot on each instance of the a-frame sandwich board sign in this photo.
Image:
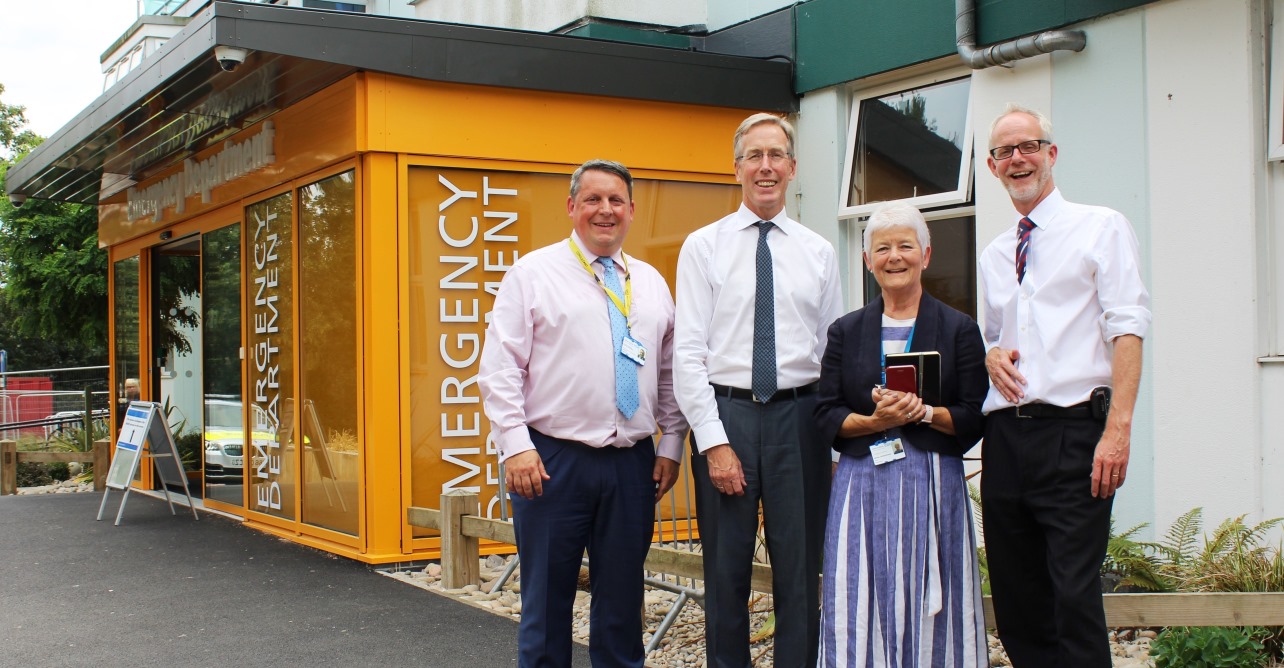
(145, 435)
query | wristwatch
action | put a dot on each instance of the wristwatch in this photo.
(927, 416)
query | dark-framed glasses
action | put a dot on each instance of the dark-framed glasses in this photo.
(1025, 147)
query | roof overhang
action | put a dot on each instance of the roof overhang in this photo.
(180, 101)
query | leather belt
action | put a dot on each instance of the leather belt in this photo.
(1081, 411)
(747, 395)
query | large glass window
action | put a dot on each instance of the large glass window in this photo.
(125, 287)
(328, 341)
(466, 229)
(225, 440)
(269, 355)
(910, 144)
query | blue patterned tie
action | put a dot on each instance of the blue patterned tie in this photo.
(626, 370)
(1024, 228)
(764, 321)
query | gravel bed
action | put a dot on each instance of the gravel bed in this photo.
(683, 645)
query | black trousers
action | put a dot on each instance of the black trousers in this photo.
(1045, 539)
(788, 471)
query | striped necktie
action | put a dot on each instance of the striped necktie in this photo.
(1024, 228)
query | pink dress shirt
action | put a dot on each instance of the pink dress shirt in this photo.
(547, 363)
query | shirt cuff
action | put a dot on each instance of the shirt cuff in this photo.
(709, 435)
(514, 441)
(670, 447)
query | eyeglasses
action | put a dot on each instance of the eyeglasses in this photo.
(756, 157)
(1025, 147)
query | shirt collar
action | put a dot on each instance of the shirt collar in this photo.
(745, 218)
(1045, 214)
(617, 257)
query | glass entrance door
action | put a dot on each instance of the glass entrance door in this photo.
(224, 415)
(176, 348)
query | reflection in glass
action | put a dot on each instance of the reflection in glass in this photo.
(269, 335)
(951, 275)
(225, 442)
(125, 300)
(328, 338)
(176, 345)
(910, 143)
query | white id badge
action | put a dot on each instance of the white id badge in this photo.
(888, 450)
(633, 349)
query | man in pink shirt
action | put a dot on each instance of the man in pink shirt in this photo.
(576, 373)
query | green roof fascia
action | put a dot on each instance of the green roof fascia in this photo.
(843, 40)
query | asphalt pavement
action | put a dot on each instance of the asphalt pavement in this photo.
(168, 590)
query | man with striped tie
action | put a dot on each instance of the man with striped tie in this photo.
(1065, 313)
(576, 373)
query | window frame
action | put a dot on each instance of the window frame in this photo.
(959, 197)
(1275, 87)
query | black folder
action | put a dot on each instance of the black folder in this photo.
(928, 366)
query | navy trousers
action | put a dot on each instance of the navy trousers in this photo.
(1045, 539)
(597, 499)
(788, 471)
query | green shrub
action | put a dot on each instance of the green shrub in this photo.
(1209, 647)
(58, 471)
(30, 474)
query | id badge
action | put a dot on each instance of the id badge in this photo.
(633, 349)
(888, 450)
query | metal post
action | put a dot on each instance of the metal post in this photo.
(87, 437)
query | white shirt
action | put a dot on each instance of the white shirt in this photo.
(713, 339)
(1082, 290)
(548, 360)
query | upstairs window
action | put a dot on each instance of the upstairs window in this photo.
(912, 144)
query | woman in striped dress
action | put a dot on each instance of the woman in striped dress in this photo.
(901, 587)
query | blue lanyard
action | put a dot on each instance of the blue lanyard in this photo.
(882, 356)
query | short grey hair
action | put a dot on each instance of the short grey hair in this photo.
(758, 119)
(599, 165)
(1045, 125)
(898, 214)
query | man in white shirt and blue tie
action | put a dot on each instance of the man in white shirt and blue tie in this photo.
(757, 292)
(1065, 313)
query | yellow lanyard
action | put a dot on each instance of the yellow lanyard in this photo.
(625, 304)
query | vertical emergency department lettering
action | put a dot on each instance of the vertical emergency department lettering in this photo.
(266, 358)
(462, 322)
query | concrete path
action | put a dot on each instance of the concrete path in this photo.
(164, 590)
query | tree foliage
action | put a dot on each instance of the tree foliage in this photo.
(53, 275)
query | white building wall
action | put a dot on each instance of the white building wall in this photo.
(1205, 152)
(1160, 118)
(723, 13)
(549, 15)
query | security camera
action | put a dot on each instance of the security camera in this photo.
(17, 200)
(230, 57)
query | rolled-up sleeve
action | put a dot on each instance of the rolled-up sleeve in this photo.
(1125, 303)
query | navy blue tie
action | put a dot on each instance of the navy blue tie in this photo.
(764, 321)
(626, 370)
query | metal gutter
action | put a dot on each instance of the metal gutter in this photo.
(1009, 51)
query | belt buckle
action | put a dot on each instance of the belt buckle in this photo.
(754, 396)
(1019, 415)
